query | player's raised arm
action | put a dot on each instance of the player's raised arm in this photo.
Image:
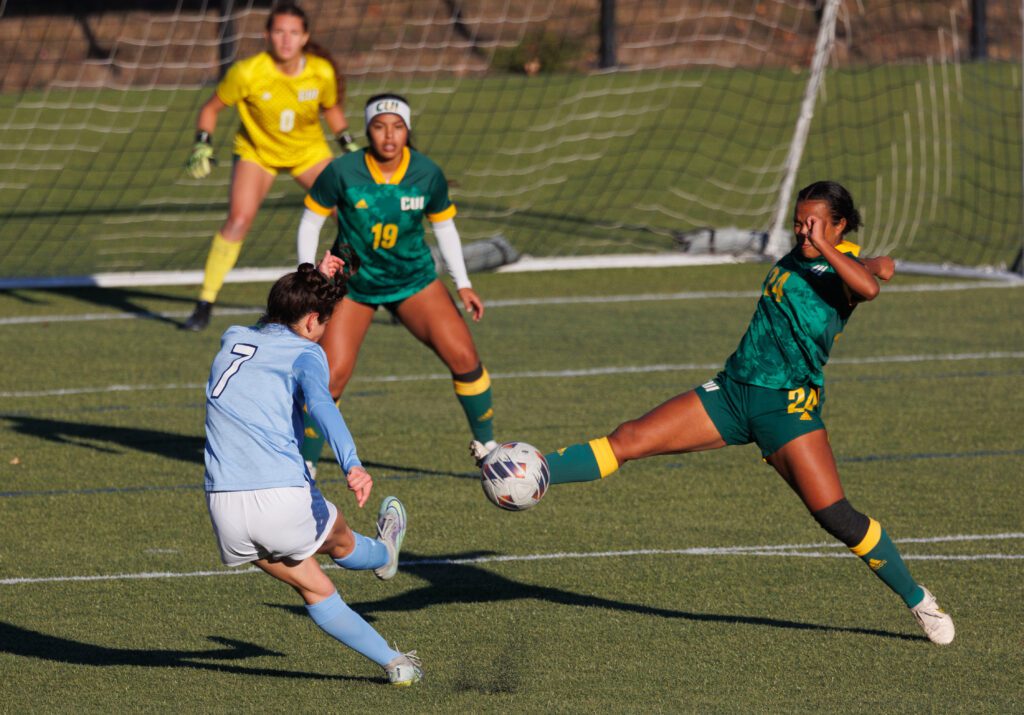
(860, 281)
(881, 267)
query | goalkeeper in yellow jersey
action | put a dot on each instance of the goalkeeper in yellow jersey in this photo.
(280, 95)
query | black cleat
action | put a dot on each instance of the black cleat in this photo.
(200, 317)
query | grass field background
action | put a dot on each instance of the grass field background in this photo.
(101, 409)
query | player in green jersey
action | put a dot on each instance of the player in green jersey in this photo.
(381, 195)
(771, 392)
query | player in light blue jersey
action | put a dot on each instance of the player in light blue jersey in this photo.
(265, 507)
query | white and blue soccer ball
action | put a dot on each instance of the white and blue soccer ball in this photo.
(515, 476)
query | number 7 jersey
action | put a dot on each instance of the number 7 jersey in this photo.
(382, 220)
(803, 310)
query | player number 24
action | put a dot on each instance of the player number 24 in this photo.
(384, 235)
(802, 401)
(773, 286)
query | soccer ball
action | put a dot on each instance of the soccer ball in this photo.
(515, 476)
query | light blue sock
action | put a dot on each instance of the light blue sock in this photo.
(343, 624)
(368, 554)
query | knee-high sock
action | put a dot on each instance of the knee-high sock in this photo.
(343, 624)
(473, 390)
(221, 259)
(582, 462)
(880, 554)
(367, 554)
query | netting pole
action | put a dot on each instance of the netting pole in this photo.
(979, 30)
(607, 58)
(779, 237)
(1018, 263)
(228, 38)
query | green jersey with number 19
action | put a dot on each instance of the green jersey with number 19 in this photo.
(803, 309)
(382, 220)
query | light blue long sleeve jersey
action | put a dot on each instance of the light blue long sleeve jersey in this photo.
(259, 381)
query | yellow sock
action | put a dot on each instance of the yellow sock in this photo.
(222, 258)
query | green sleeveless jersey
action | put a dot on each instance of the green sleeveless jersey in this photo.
(801, 313)
(383, 220)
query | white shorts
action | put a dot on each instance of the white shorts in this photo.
(284, 522)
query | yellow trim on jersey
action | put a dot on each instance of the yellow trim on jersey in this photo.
(479, 386)
(316, 208)
(396, 178)
(606, 460)
(870, 539)
(847, 247)
(442, 215)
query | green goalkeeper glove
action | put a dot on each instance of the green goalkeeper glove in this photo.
(348, 144)
(200, 160)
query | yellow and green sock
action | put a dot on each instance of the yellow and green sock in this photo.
(473, 391)
(582, 462)
(880, 554)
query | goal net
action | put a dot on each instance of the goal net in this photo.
(569, 127)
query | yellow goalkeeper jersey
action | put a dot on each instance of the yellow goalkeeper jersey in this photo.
(280, 114)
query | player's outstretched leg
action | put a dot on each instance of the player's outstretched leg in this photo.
(334, 617)
(391, 525)
(937, 624)
(866, 538)
(339, 621)
(582, 462)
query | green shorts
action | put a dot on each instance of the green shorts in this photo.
(771, 418)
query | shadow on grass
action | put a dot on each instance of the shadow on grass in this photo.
(124, 300)
(33, 644)
(88, 436)
(469, 583)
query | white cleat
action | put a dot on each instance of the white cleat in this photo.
(479, 450)
(391, 524)
(937, 624)
(404, 670)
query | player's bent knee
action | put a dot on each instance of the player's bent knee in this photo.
(843, 522)
(237, 225)
(341, 542)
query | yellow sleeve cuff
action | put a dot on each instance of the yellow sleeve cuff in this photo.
(315, 207)
(443, 215)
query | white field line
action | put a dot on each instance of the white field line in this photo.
(539, 374)
(796, 550)
(515, 302)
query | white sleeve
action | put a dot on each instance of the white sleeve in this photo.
(451, 250)
(308, 237)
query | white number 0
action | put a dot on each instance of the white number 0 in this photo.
(287, 120)
(244, 352)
